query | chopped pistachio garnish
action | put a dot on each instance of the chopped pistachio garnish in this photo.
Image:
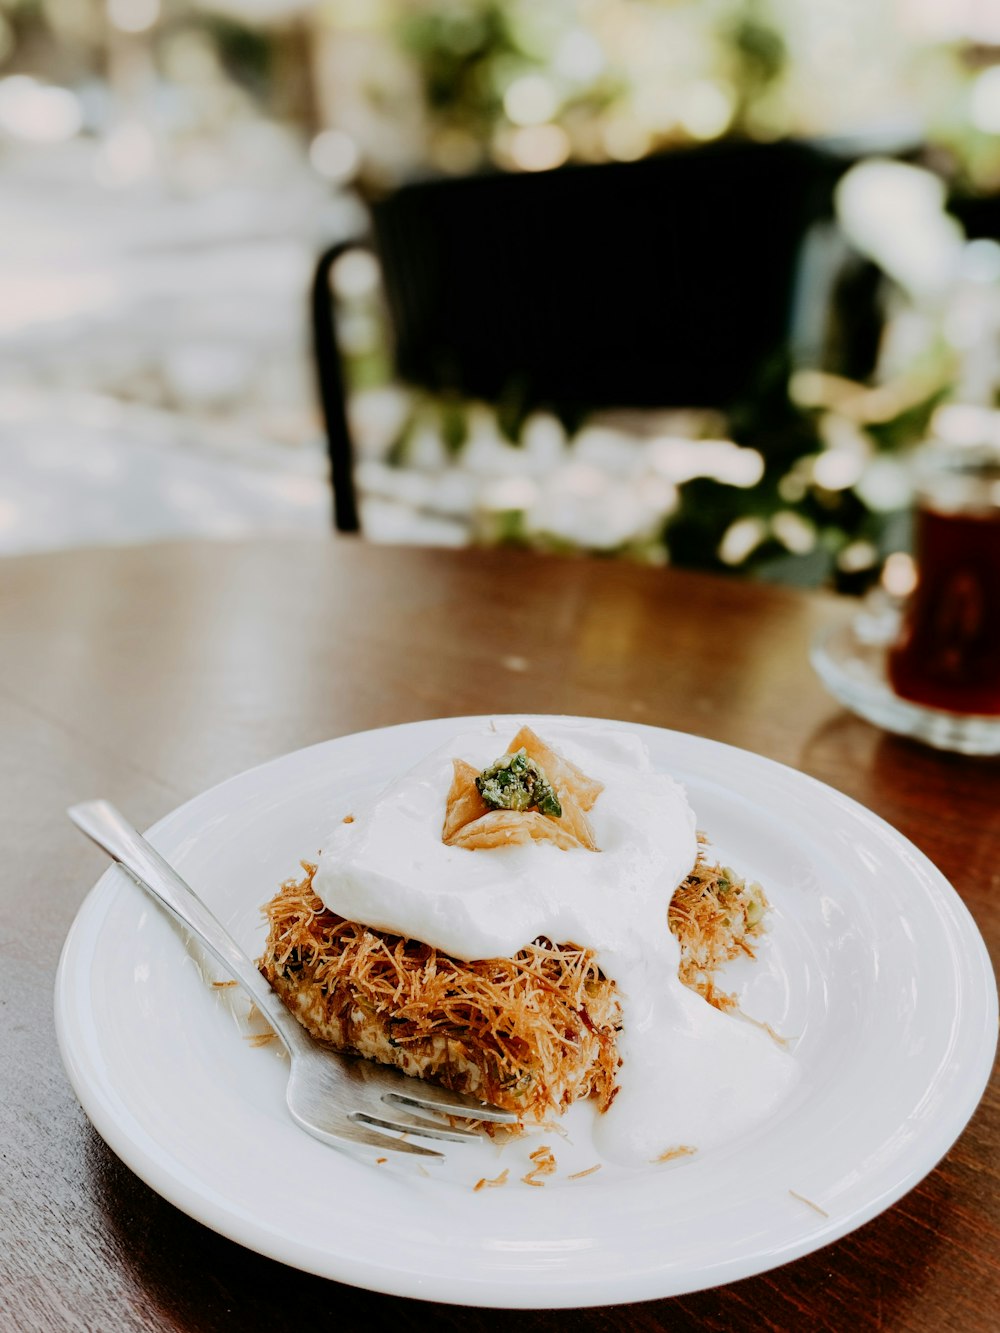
(756, 904)
(515, 782)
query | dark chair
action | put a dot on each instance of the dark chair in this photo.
(661, 283)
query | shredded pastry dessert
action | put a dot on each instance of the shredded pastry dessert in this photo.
(532, 1033)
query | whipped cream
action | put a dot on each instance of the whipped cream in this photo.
(690, 1075)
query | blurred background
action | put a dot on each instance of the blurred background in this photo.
(644, 278)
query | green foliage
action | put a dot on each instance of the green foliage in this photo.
(757, 53)
(456, 50)
(246, 53)
(901, 431)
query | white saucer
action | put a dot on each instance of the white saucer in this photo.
(850, 660)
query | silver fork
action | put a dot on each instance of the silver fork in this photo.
(340, 1100)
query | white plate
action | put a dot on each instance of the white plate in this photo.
(872, 964)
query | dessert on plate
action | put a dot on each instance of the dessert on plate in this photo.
(534, 926)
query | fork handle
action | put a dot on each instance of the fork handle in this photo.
(112, 832)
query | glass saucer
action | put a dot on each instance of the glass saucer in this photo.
(850, 660)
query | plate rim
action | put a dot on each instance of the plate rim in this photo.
(559, 1291)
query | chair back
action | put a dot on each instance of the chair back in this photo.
(659, 283)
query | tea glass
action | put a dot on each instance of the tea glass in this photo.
(947, 655)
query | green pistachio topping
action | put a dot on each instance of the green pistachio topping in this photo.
(516, 782)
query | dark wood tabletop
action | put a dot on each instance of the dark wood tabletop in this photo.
(147, 675)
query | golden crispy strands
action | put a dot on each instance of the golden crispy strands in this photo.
(809, 1203)
(486, 1184)
(714, 914)
(531, 1033)
(544, 1160)
(671, 1154)
(581, 1175)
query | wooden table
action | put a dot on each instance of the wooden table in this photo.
(147, 675)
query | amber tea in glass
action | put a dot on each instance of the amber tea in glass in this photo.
(948, 653)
